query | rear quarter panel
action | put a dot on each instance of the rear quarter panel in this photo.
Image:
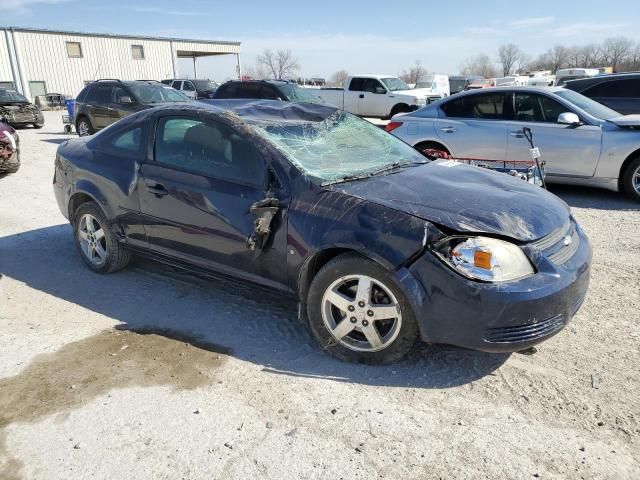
(617, 145)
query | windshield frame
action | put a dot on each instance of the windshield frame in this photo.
(603, 112)
(310, 164)
(386, 81)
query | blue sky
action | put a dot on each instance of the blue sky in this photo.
(328, 35)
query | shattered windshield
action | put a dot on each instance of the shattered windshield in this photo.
(394, 84)
(340, 148)
(9, 96)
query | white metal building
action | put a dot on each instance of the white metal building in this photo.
(36, 62)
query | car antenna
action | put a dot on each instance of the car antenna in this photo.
(535, 154)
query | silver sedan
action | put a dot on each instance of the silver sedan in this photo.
(581, 141)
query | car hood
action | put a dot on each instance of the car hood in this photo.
(17, 106)
(626, 121)
(466, 199)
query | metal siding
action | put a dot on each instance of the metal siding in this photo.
(5, 63)
(44, 57)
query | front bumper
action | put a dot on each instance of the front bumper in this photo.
(501, 317)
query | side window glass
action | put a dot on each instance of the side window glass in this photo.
(357, 85)
(248, 90)
(370, 85)
(188, 87)
(118, 93)
(528, 108)
(129, 141)
(100, 94)
(616, 89)
(208, 148)
(82, 95)
(226, 91)
(489, 107)
(453, 108)
(551, 109)
(177, 85)
(269, 93)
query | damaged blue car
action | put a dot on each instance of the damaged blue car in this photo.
(380, 247)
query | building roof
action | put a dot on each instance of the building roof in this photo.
(117, 35)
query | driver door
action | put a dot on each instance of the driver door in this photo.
(568, 150)
(370, 102)
(197, 195)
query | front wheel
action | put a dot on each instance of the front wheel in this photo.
(358, 313)
(38, 125)
(95, 241)
(631, 179)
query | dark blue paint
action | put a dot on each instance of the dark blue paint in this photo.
(206, 223)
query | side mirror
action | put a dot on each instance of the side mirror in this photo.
(126, 100)
(380, 90)
(569, 118)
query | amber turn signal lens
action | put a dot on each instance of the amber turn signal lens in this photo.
(482, 259)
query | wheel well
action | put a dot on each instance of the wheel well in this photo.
(76, 200)
(399, 108)
(313, 266)
(431, 144)
(628, 160)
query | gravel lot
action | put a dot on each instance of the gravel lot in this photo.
(153, 373)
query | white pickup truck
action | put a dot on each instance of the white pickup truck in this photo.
(379, 96)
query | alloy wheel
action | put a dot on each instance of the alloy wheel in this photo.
(83, 128)
(635, 180)
(92, 239)
(361, 313)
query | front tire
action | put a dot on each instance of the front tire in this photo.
(97, 244)
(358, 313)
(631, 180)
(37, 125)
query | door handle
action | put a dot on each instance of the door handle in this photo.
(158, 190)
(517, 134)
(448, 129)
(361, 95)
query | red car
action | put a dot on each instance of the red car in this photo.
(9, 149)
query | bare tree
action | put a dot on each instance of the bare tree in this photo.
(279, 64)
(522, 65)
(508, 56)
(615, 50)
(414, 73)
(478, 65)
(339, 77)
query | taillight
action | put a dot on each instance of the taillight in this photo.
(391, 126)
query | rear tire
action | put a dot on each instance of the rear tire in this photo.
(97, 244)
(631, 180)
(401, 108)
(13, 169)
(84, 127)
(375, 323)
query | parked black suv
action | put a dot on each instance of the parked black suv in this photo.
(618, 91)
(104, 102)
(17, 111)
(266, 90)
(193, 88)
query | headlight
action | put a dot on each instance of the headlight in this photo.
(420, 101)
(486, 259)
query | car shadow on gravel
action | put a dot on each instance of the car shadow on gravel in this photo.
(595, 198)
(251, 324)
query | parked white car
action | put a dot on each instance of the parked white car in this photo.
(512, 81)
(582, 141)
(380, 96)
(437, 84)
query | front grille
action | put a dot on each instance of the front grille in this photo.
(23, 117)
(560, 245)
(525, 333)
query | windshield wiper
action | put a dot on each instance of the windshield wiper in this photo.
(373, 173)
